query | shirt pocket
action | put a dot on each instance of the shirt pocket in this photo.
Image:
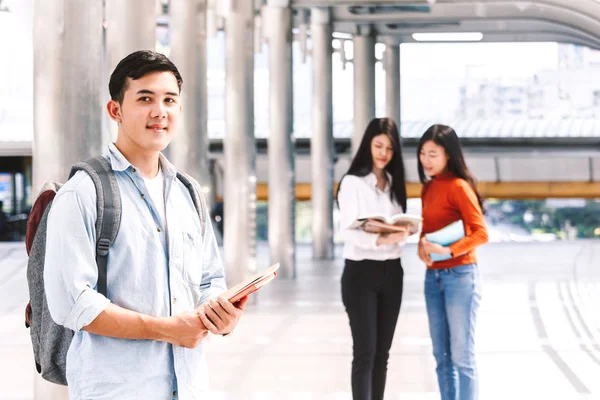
(192, 258)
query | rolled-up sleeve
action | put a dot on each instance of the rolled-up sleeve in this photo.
(70, 271)
(213, 276)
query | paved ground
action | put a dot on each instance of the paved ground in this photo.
(537, 332)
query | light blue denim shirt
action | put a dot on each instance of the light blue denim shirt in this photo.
(151, 270)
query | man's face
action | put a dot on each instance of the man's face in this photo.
(149, 115)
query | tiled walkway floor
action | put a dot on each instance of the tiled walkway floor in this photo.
(536, 333)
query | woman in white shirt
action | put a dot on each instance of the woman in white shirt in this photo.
(373, 275)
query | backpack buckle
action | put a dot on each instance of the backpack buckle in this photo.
(102, 246)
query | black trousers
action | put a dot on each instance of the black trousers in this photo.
(372, 295)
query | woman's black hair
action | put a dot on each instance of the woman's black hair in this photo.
(362, 163)
(446, 137)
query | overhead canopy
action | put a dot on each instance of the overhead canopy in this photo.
(565, 21)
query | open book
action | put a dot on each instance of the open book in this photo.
(252, 284)
(397, 222)
(446, 236)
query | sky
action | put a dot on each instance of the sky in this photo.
(514, 60)
(432, 74)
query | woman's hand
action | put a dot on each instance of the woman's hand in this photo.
(391, 238)
(424, 255)
(372, 228)
(430, 247)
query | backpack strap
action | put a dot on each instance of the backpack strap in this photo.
(108, 206)
(196, 192)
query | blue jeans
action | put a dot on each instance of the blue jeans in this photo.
(452, 297)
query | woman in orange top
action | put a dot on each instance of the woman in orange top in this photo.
(452, 286)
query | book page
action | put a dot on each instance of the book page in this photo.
(406, 219)
(375, 226)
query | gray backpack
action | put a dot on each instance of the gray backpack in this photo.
(50, 340)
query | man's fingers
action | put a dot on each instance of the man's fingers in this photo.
(226, 305)
(241, 304)
(218, 308)
(227, 312)
(208, 323)
(214, 317)
(204, 327)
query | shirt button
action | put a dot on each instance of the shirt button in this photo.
(174, 300)
(158, 229)
(143, 196)
(133, 170)
(175, 393)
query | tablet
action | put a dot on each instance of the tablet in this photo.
(252, 284)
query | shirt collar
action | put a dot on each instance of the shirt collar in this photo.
(118, 162)
(444, 176)
(372, 181)
(168, 169)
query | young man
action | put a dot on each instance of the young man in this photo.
(164, 270)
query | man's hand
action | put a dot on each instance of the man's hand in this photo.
(220, 316)
(186, 330)
(423, 254)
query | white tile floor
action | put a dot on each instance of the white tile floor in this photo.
(535, 338)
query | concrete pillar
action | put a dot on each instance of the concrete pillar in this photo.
(321, 143)
(392, 83)
(68, 59)
(364, 86)
(130, 26)
(239, 214)
(68, 67)
(189, 149)
(282, 196)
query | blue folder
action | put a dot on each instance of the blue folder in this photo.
(446, 236)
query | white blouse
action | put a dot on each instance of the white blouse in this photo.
(359, 197)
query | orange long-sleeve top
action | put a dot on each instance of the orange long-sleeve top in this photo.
(446, 199)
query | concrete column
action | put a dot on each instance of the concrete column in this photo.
(321, 143)
(392, 83)
(130, 26)
(239, 198)
(68, 58)
(364, 86)
(68, 67)
(282, 196)
(189, 149)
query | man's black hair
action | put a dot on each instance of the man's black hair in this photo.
(137, 65)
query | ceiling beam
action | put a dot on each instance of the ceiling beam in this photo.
(583, 15)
